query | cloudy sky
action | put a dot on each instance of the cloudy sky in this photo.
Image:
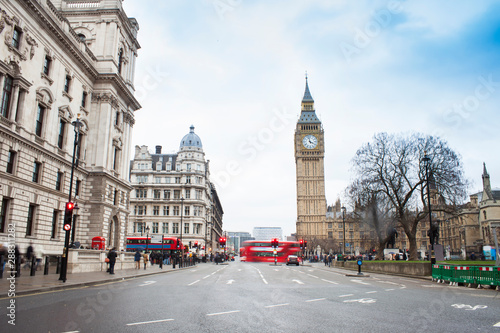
(235, 70)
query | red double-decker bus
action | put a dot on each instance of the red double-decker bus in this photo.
(170, 244)
(262, 251)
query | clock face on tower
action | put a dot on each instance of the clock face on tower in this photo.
(310, 141)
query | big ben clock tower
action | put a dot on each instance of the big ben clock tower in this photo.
(309, 161)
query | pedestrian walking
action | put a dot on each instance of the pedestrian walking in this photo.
(112, 260)
(29, 255)
(39, 256)
(137, 259)
(145, 256)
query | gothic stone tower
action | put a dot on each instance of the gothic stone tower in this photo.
(309, 161)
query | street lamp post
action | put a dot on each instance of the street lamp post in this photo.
(64, 262)
(343, 228)
(427, 160)
(182, 208)
(147, 238)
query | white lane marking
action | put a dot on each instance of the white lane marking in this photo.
(264, 280)
(206, 277)
(469, 307)
(329, 281)
(276, 270)
(360, 282)
(347, 295)
(193, 282)
(239, 270)
(221, 313)
(230, 281)
(314, 276)
(390, 289)
(370, 292)
(72, 332)
(149, 322)
(362, 300)
(147, 283)
(276, 305)
(298, 281)
(497, 324)
(316, 300)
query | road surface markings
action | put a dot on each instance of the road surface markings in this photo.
(314, 276)
(390, 289)
(360, 282)
(147, 283)
(221, 313)
(497, 324)
(193, 282)
(207, 276)
(316, 300)
(72, 332)
(276, 305)
(298, 281)
(347, 295)
(150, 322)
(329, 281)
(362, 300)
(469, 307)
(370, 292)
(230, 281)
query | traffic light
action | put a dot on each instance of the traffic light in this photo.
(68, 215)
(305, 244)
(222, 241)
(274, 242)
(301, 243)
(189, 243)
(196, 244)
(178, 243)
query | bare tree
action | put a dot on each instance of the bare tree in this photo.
(392, 167)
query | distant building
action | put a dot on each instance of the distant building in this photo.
(237, 238)
(173, 196)
(267, 233)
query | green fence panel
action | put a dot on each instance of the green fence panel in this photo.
(486, 275)
(436, 272)
(447, 273)
(497, 279)
(464, 274)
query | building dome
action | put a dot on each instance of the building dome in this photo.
(191, 139)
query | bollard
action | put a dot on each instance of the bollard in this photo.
(18, 266)
(161, 263)
(1, 267)
(33, 266)
(46, 268)
(58, 267)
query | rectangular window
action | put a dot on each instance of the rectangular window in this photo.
(188, 193)
(197, 228)
(37, 166)
(158, 179)
(186, 210)
(67, 82)
(77, 187)
(59, 180)
(16, 37)
(186, 228)
(84, 99)
(341, 235)
(177, 194)
(177, 167)
(175, 228)
(46, 65)
(60, 139)
(115, 159)
(55, 218)
(176, 211)
(169, 167)
(31, 220)
(165, 228)
(39, 120)
(166, 194)
(117, 118)
(11, 157)
(330, 225)
(157, 194)
(4, 213)
(155, 227)
(188, 167)
(177, 180)
(166, 210)
(6, 96)
(330, 234)
(138, 227)
(156, 210)
(188, 179)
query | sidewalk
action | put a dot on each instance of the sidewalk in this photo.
(39, 283)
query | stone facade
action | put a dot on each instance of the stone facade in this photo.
(61, 61)
(173, 196)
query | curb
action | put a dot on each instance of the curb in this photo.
(87, 283)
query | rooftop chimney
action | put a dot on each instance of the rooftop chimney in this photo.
(158, 149)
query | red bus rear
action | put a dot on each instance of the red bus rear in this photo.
(262, 251)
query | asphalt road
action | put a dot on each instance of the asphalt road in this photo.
(258, 297)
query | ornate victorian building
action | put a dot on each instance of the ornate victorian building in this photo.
(173, 196)
(62, 60)
(310, 171)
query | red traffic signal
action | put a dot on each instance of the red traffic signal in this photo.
(70, 206)
(274, 242)
(301, 242)
(196, 244)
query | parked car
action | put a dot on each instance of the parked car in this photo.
(292, 260)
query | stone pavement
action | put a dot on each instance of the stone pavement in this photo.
(39, 283)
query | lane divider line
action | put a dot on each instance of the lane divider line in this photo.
(315, 300)
(149, 322)
(276, 305)
(193, 282)
(221, 313)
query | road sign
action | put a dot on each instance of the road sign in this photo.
(67, 227)
(347, 244)
(156, 238)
